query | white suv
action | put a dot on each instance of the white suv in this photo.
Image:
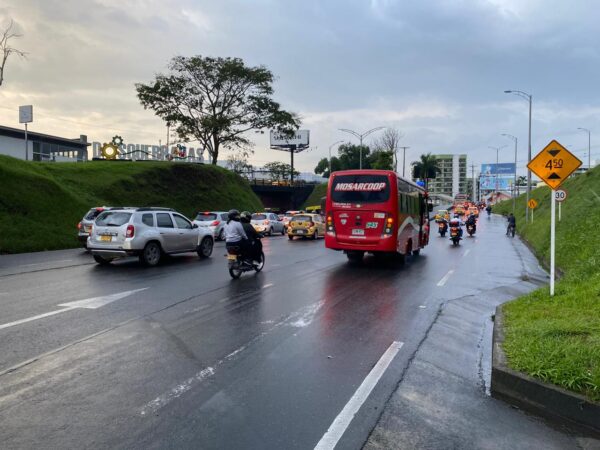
(148, 233)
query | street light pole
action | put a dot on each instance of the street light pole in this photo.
(528, 97)
(360, 137)
(497, 151)
(514, 138)
(404, 161)
(335, 143)
(589, 146)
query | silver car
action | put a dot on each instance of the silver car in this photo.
(267, 223)
(213, 220)
(148, 233)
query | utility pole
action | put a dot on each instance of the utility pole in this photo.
(589, 146)
(403, 161)
(474, 195)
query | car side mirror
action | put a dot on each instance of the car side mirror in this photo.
(194, 225)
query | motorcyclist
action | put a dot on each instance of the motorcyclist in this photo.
(456, 222)
(235, 236)
(253, 237)
(512, 223)
(471, 220)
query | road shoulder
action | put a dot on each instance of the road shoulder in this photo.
(442, 400)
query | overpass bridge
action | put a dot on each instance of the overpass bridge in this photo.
(281, 196)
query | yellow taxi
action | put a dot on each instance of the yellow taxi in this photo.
(459, 209)
(306, 225)
(474, 211)
(442, 214)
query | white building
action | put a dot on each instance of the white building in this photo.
(41, 147)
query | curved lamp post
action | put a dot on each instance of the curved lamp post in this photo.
(360, 137)
(527, 97)
(514, 138)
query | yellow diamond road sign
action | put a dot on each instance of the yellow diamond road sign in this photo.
(554, 164)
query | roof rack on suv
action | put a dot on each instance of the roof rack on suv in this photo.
(154, 208)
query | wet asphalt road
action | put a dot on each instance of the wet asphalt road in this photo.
(181, 356)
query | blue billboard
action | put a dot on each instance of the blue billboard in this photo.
(502, 169)
(488, 183)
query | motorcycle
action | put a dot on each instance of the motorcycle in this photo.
(471, 229)
(238, 265)
(443, 228)
(455, 235)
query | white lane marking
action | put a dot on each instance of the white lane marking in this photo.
(90, 303)
(467, 251)
(267, 285)
(307, 315)
(445, 278)
(341, 422)
(177, 391)
(97, 302)
(32, 318)
(301, 318)
(47, 262)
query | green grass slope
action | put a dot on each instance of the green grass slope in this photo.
(314, 199)
(558, 339)
(41, 203)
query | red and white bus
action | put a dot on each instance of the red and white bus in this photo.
(375, 211)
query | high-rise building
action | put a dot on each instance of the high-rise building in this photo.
(452, 177)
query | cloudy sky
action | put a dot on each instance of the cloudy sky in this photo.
(434, 69)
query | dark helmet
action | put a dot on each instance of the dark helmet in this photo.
(234, 214)
(245, 216)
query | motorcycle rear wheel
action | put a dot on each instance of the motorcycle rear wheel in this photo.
(235, 273)
(262, 263)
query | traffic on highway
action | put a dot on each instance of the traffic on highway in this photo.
(304, 352)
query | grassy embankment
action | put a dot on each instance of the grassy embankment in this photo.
(41, 203)
(558, 339)
(314, 199)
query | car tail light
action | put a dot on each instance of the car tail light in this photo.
(215, 223)
(79, 226)
(311, 224)
(130, 231)
(266, 222)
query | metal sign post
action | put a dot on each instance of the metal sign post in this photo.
(552, 239)
(26, 116)
(532, 204)
(553, 165)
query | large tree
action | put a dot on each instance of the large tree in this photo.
(426, 168)
(6, 49)
(322, 167)
(216, 101)
(349, 155)
(382, 160)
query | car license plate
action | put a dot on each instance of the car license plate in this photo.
(232, 257)
(106, 238)
(358, 232)
(300, 231)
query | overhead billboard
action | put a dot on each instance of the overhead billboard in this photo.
(488, 183)
(299, 138)
(506, 169)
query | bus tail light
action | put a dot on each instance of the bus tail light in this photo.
(388, 230)
(330, 226)
(130, 231)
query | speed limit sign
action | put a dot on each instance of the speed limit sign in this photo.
(560, 195)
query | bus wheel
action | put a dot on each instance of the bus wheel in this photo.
(355, 256)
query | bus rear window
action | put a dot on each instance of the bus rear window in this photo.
(360, 189)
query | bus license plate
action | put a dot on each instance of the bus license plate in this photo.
(358, 232)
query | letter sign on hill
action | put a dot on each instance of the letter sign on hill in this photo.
(554, 164)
